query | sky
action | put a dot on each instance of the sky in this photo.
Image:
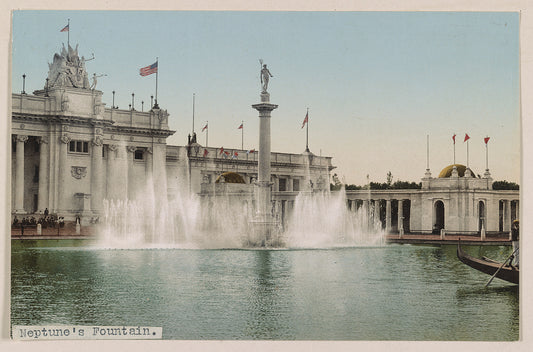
(376, 83)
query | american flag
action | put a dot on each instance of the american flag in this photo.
(241, 126)
(148, 70)
(65, 29)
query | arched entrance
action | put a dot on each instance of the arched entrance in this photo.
(439, 216)
(481, 212)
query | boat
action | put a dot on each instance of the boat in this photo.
(489, 266)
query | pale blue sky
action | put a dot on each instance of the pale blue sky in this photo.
(375, 83)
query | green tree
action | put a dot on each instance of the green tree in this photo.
(505, 185)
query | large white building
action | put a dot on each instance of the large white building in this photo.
(70, 152)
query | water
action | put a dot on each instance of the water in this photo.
(390, 292)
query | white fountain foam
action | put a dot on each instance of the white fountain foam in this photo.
(152, 220)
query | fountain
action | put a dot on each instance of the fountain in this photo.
(319, 218)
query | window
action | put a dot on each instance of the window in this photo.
(296, 185)
(282, 184)
(139, 154)
(78, 147)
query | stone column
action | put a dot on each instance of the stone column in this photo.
(275, 186)
(122, 173)
(388, 217)
(149, 164)
(517, 209)
(289, 184)
(19, 174)
(366, 209)
(111, 177)
(42, 198)
(507, 219)
(62, 173)
(130, 181)
(263, 183)
(400, 217)
(97, 187)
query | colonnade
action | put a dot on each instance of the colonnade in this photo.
(110, 181)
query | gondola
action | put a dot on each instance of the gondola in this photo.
(489, 266)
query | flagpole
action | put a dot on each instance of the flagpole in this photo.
(454, 150)
(206, 133)
(487, 155)
(467, 155)
(307, 132)
(193, 97)
(156, 78)
(427, 152)
(242, 135)
(68, 33)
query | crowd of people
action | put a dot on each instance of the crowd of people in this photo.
(45, 221)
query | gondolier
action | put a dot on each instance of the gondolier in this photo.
(490, 267)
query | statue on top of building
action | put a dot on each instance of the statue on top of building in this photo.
(68, 70)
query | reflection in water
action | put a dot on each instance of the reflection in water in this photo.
(380, 293)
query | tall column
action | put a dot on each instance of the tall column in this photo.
(263, 182)
(366, 209)
(42, 198)
(149, 170)
(388, 218)
(111, 177)
(97, 186)
(400, 217)
(517, 209)
(263, 190)
(121, 165)
(130, 150)
(19, 174)
(507, 221)
(62, 173)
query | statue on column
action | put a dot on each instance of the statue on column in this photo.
(265, 76)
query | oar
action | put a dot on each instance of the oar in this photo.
(501, 266)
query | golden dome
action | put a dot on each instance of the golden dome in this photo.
(447, 171)
(230, 177)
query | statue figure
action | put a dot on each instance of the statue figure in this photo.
(93, 86)
(265, 73)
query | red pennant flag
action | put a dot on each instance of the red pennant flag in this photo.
(467, 137)
(240, 127)
(235, 155)
(205, 127)
(305, 120)
(251, 151)
(205, 152)
(453, 137)
(221, 150)
(486, 139)
(66, 28)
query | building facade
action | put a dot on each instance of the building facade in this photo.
(70, 151)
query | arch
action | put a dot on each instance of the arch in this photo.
(438, 216)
